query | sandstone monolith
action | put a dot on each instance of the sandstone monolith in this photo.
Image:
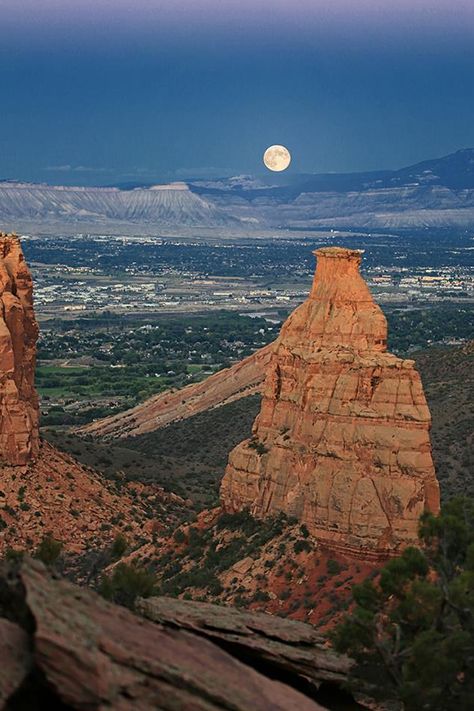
(342, 439)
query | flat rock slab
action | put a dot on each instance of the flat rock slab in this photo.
(287, 647)
(96, 655)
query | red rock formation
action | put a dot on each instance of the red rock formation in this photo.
(240, 380)
(342, 438)
(19, 438)
(42, 490)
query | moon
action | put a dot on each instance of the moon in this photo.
(277, 158)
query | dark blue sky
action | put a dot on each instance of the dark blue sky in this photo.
(110, 90)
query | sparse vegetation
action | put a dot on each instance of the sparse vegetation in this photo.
(333, 567)
(412, 632)
(118, 547)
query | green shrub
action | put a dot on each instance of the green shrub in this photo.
(126, 583)
(333, 567)
(261, 596)
(13, 554)
(304, 530)
(118, 547)
(301, 546)
(48, 550)
(179, 536)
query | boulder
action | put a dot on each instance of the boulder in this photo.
(89, 654)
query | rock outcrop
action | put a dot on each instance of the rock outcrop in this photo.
(285, 647)
(64, 647)
(240, 380)
(42, 490)
(19, 436)
(342, 438)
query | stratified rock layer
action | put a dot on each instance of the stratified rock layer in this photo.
(342, 438)
(19, 437)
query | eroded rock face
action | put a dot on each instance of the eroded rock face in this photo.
(19, 437)
(342, 438)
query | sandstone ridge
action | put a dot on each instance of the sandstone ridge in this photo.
(240, 380)
(342, 439)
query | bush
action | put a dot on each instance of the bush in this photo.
(14, 555)
(179, 537)
(333, 567)
(301, 546)
(240, 520)
(126, 583)
(261, 596)
(118, 547)
(48, 550)
(258, 446)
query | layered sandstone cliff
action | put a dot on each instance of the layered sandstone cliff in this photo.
(342, 438)
(19, 438)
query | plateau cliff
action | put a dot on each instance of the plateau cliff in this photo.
(342, 439)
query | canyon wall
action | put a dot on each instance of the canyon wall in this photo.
(19, 436)
(342, 439)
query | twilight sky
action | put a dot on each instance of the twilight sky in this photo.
(103, 91)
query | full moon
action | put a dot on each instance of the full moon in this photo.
(277, 158)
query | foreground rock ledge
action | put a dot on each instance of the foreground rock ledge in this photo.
(60, 644)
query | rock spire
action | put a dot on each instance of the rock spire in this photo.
(342, 438)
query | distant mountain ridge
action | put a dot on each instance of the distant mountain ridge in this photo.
(172, 204)
(436, 193)
(454, 171)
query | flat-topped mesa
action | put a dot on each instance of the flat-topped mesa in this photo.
(342, 438)
(19, 413)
